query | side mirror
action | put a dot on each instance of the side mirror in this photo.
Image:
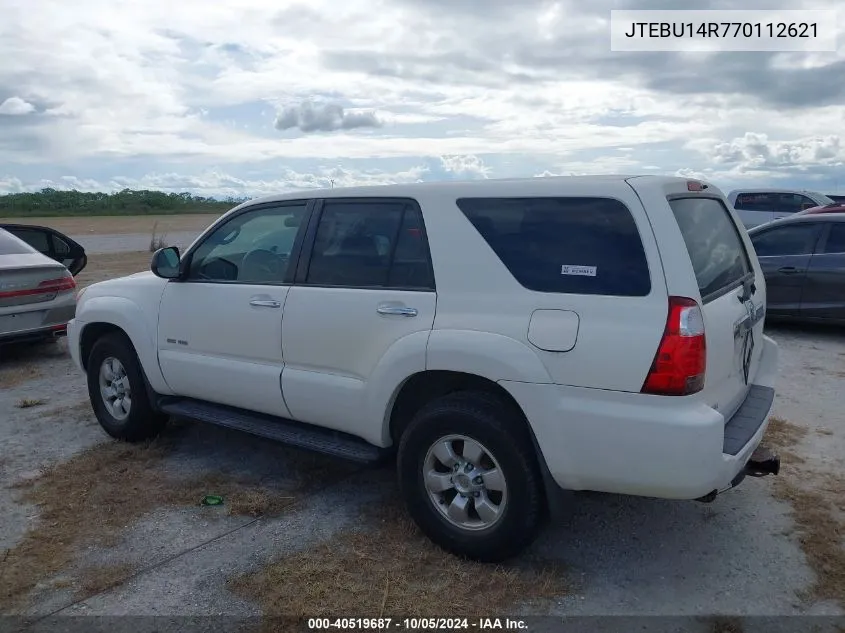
(165, 263)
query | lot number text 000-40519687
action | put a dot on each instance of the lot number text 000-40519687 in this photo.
(729, 30)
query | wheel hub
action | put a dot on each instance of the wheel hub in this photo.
(465, 481)
(115, 388)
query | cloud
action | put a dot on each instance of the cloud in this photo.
(471, 166)
(329, 117)
(16, 106)
(523, 86)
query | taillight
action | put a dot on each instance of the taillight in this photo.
(681, 360)
(45, 287)
(57, 285)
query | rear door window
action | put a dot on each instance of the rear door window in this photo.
(564, 245)
(371, 244)
(798, 239)
(39, 240)
(794, 202)
(836, 238)
(715, 248)
(10, 246)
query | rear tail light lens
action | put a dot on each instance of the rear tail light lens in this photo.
(57, 285)
(681, 361)
(48, 286)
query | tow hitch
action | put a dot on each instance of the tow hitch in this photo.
(763, 462)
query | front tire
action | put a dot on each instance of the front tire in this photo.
(469, 477)
(118, 392)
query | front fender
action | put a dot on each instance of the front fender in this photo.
(138, 326)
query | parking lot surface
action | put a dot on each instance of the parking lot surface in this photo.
(93, 527)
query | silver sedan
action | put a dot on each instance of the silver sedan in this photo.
(37, 292)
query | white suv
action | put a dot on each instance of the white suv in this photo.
(504, 340)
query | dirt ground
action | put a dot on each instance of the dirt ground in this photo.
(91, 526)
(116, 225)
(109, 265)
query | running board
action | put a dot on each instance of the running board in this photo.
(297, 434)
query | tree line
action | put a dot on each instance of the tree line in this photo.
(53, 202)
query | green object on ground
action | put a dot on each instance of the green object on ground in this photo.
(212, 500)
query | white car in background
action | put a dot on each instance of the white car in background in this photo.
(759, 206)
(37, 291)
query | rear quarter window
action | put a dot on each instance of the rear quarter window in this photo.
(715, 247)
(564, 244)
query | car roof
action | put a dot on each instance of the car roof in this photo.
(774, 190)
(798, 219)
(517, 186)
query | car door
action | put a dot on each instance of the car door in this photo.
(784, 253)
(220, 327)
(51, 243)
(824, 289)
(364, 290)
(755, 208)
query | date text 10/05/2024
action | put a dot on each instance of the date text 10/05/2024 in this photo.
(417, 624)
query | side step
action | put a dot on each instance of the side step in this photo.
(305, 436)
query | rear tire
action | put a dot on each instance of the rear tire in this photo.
(118, 391)
(487, 504)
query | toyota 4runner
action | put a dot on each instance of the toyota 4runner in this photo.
(501, 339)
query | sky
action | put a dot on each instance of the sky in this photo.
(250, 97)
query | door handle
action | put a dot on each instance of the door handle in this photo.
(265, 303)
(397, 310)
(788, 270)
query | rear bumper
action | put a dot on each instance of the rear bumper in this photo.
(51, 323)
(655, 446)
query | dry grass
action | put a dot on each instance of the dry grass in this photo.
(100, 578)
(786, 436)
(388, 570)
(111, 225)
(818, 509)
(157, 240)
(255, 503)
(91, 498)
(17, 375)
(28, 403)
(821, 530)
(727, 625)
(110, 265)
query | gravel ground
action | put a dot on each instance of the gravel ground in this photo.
(739, 555)
(122, 242)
